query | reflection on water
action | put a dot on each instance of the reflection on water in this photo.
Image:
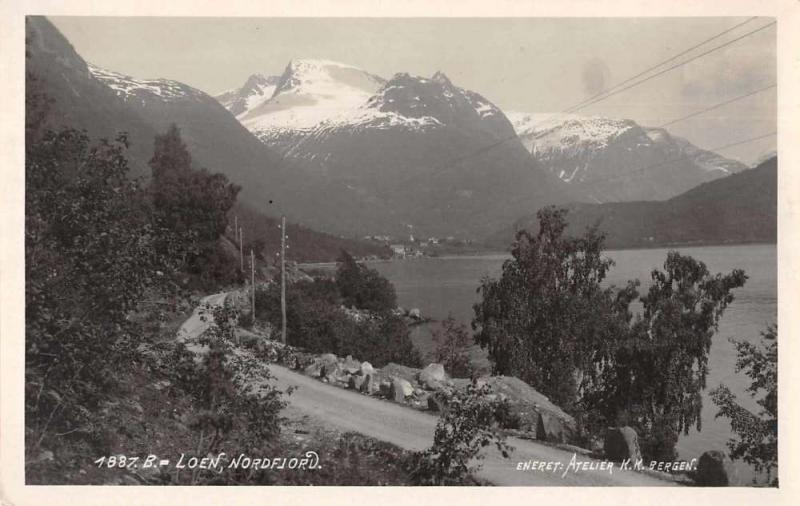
(447, 285)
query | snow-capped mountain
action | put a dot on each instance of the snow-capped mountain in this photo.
(399, 147)
(141, 90)
(255, 91)
(617, 159)
(308, 93)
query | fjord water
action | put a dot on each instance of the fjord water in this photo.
(447, 285)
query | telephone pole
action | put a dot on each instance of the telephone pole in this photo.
(241, 254)
(283, 279)
(253, 282)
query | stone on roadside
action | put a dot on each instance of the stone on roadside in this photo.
(415, 313)
(400, 389)
(355, 382)
(433, 377)
(366, 369)
(313, 369)
(409, 374)
(712, 470)
(368, 385)
(622, 443)
(351, 365)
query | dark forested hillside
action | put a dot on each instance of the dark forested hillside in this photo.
(740, 208)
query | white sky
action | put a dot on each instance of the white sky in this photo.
(523, 64)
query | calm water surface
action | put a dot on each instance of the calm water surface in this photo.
(447, 285)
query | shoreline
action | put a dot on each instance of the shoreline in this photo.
(507, 254)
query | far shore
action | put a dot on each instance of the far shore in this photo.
(506, 254)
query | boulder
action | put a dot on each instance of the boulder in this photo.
(334, 372)
(400, 389)
(712, 470)
(355, 382)
(526, 405)
(313, 369)
(400, 371)
(549, 428)
(366, 369)
(432, 377)
(328, 358)
(351, 365)
(369, 386)
(622, 443)
(415, 313)
(385, 389)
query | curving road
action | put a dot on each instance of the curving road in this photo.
(410, 429)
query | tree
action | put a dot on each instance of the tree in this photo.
(317, 323)
(546, 320)
(452, 348)
(192, 205)
(362, 287)
(756, 440)
(654, 378)
(89, 251)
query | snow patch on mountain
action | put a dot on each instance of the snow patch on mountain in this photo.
(544, 132)
(255, 91)
(133, 90)
(311, 92)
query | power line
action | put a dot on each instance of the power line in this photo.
(672, 58)
(717, 106)
(589, 101)
(673, 67)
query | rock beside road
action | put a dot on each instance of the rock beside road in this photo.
(712, 470)
(430, 389)
(433, 377)
(400, 389)
(622, 443)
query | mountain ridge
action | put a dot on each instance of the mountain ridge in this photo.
(736, 209)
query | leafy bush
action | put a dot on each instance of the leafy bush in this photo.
(89, 260)
(316, 323)
(452, 348)
(756, 440)
(362, 287)
(237, 408)
(466, 426)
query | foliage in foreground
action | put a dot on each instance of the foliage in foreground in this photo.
(466, 427)
(756, 440)
(317, 323)
(550, 322)
(452, 348)
(362, 287)
(89, 251)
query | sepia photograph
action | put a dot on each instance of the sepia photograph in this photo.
(400, 251)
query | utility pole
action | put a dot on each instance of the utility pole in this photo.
(253, 282)
(283, 279)
(236, 228)
(241, 254)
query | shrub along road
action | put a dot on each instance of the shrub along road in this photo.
(413, 430)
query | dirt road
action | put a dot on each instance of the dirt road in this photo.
(413, 430)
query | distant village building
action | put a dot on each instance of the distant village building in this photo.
(398, 250)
